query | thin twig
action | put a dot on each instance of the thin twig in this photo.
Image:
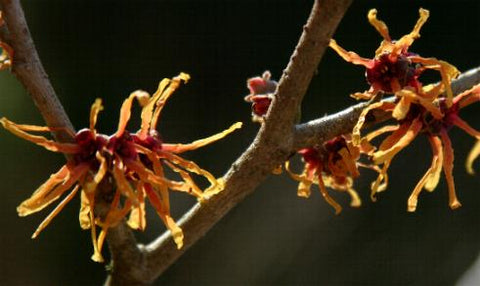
(29, 71)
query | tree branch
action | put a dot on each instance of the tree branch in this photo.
(271, 146)
(276, 140)
(29, 71)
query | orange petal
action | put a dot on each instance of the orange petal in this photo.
(447, 72)
(193, 188)
(180, 148)
(387, 154)
(379, 25)
(160, 103)
(448, 170)
(462, 124)
(381, 183)
(147, 110)
(52, 189)
(57, 209)
(384, 129)
(468, 97)
(361, 119)
(126, 111)
(431, 177)
(407, 40)
(121, 181)
(472, 155)
(425, 102)
(84, 214)
(159, 206)
(19, 130)
(304, 186)
(137, 218)
(327, 197)
(94, 111)
(402, 107)
(350, 57)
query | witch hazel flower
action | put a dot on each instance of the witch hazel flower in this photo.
(331, 165)
(124, 169)
(261, 95)
(394, 67)
(435, 127)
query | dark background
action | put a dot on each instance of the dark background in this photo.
(107, 49)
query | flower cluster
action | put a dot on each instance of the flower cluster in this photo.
(124, 169)
(431, 109)
(6, 52)
(330, 165)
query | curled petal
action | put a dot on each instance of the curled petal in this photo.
(407, 40)
(94, 111)
(425, 102)
(379, 25)
(430, 180)
(165, 94)
(468, 97)
(350, 161)
(304, 186)
(350, 57)
(402, 108)
(356, 138)
(381, 183)
(327, 197)
(125, 110)
(448, 170)
(147, 110)
(472, 155)
(137, 218)
(180, 148)
(158, 204)
(346, 187)
(462, 124)
(54, 213)
(447, 72)
(193, 188)
(52, 189)
(148, 176)
(384, 129)
(19, 130)
(122, 183)
(387, 154)
(84, 214)
(437, 163)
(189, 166)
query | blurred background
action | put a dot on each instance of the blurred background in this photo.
(107, 49)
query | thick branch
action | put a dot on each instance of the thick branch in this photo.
(271, 146)
(29, 71)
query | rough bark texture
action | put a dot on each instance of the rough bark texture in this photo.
(29, 70)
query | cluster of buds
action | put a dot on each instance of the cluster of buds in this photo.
(261, 95)
(122, 170)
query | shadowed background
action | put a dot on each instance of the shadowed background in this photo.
(107, 49)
